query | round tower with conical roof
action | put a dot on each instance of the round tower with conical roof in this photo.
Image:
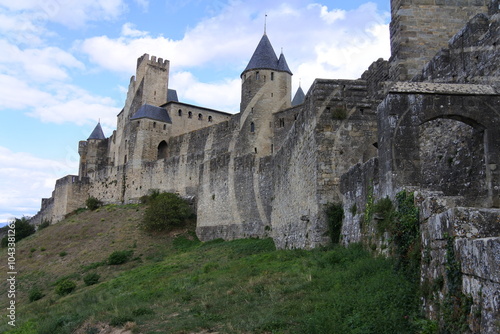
(266, 88)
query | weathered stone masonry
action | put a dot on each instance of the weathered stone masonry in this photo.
(425, 121)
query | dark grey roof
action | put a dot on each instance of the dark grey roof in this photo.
(97, 133)
(299, 97)
(172, 95)
(282, 65)
(264, 57)
(152, 112)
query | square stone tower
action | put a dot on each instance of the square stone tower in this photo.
(420, 28)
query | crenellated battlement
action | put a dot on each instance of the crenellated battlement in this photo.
(145, 59)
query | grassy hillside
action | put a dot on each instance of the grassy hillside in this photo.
(176, 284)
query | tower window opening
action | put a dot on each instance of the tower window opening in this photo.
(154, 125)
(282, 122)
(190, 114)
(272, 94)
(210, 118)
(179, 112)
(272, 76)
(164, 126)
(200, 117)
(255, 149)
(257, 75)
(252, 127)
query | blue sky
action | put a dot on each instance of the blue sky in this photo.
(65, 64)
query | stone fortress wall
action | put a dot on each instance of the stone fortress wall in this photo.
(426, 121)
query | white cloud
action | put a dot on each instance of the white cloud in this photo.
(224, 96)
(42, 64)
(57, 104)
(25, 180)
(128, 30)
(320, 42)
(71, 13)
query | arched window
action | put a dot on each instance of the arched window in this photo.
(200, 117)
(179, 112)
(252, 127)
(210, 119)
(162, 150)
(190, 114)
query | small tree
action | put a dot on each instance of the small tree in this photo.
(166, 212)
(23, 229)
(93, 203)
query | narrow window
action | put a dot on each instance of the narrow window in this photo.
(125, 160)
(164, 126)
(210, 119)
(154, 125)
(272, 76)
(255, 148)
(200, 117)
(272, 94)
(252, 127)
(179, 112)
(257, 75)
(190, 115)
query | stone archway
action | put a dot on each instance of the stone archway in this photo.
(452, 158)
(162, 150)
(408, 119)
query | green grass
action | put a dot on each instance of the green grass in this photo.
(243, 286)
(178, 284)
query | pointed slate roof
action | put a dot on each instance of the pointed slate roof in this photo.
(299, 97)
(97, 133)
(264, 57)
(152, 112)
(282, 65)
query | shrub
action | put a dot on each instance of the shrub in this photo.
(65, 287)
(334, 216)
(120, 257)
(166, 212)
(44, 224)
(91, 278)
(93, 203)
(63, 254)
(152, 194)
(35, 294)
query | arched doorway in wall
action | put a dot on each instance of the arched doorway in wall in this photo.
(452, 157)
(443, 142)
(162, 150)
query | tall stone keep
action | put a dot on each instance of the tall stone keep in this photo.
(266, 88)
(420, 28)
(149, 85)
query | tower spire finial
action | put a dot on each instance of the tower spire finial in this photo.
(265, 25)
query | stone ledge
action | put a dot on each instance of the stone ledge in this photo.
(438, 88)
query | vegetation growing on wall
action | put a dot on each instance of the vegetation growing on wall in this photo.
(334, 216)
(456, 306)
